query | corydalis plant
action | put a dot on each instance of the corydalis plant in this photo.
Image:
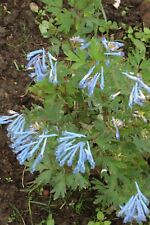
(136, 208)
(42, 64)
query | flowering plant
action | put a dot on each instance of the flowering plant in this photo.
(90, 121)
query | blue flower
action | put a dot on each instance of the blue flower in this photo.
(68, 148)
(53, 70)
(43, 64)
(8, 119)
(139, 80)
(112, 48)
(114, 53)
(136, 95)
(136, 208)
(77, 39)
(90, 82)
(33, 54)
(117, 124)
(26, 142)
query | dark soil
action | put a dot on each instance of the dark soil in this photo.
(18, 35)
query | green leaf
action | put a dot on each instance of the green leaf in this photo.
(59, 186)
(71, 56)
(130, 30)
(65, 21)
(139, 45)
(91, 223)
(100, 216)
(44, 27)
(50, 220)
(106, 222)
(146, 30)
(95, 50)
(44, 177)
(55, 3)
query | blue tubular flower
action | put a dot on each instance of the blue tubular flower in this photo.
(34, 53)
(53, 70)
(17, 125)
(8, 119)
(136, 208)
(67, 149)
(111, 45)
(26, 142)
(112, 48)
(39, 71)
(42, 64)
(83, 83)
(139, 80)
(102, 78)
(116, 125)
(114, 53)
(136, 95)
(90, 82)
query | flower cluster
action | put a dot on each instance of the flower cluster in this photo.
(136, 208)
(90, 82)
(26, 142)
(112, 47)
(136, 95)
(68, 148)
(42, 64)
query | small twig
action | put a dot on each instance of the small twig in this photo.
(62, 205)
(30, 212)
(22, 178)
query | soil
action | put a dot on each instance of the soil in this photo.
(19, 34)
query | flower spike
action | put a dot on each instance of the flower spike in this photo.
(136, 95)
(136, 208)
(68, 148)
(90, 82)
(112, 48)
(42, 64)
(26, 142)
